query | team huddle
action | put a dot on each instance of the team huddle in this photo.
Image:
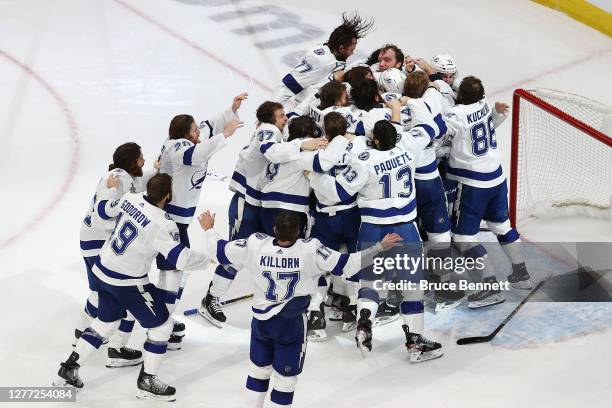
(348, 162)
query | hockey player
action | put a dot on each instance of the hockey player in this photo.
(142, 231)
(285, 271)
(264, 148)
(128, 175)
(185, 157)
(337, 225)
(482, 193)
(442, 70)
(323, 62)
(383, 179)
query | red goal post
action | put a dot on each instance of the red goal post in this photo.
(561, 156)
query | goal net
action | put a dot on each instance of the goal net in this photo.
(561, 155)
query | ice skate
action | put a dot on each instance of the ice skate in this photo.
(211, 310)
(519, 278)
(316, 325)
(421, 348)
(363, 335)
(150, 388)
(123, 357)
(68, 374)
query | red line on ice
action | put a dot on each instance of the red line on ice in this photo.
(192, 44)
(74, 161)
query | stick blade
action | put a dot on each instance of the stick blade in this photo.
(473, 340)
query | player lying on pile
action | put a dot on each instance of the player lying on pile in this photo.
(285, 271)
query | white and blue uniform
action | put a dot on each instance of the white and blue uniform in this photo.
(142, 231)
(287, 188)
(97, 227)
(284, 279)
(474, 166)
(316, 66)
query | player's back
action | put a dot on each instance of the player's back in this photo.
(97, 225)
(474, 158)
(128, 253)
(284, 277)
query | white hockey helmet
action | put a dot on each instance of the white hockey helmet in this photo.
(444, 64)
(392, 80)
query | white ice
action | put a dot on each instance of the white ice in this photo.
(79, 77)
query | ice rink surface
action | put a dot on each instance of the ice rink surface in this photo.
(80, 77)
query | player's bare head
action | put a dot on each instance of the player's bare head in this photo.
(384, 135)
(343, 40)
(365, 94)
(159, 189)
(272, 113)
(184, 127)
(390, 56)
(470, 91)
(301, 127)
(335, 125)
(333, 94)
(358, 73)
(128, 157)
(416, 84)
(287, 226)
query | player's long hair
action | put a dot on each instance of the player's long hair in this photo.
(126, 157)
(470, 91)
(352, 26)
(180, 125)
(330, 93)
(365, 94)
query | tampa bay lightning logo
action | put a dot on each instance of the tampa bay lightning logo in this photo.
(319, 51)
(197, 178)
(363, 156)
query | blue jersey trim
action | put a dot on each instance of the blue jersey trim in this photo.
(86, 245)
(250, 191)
(188, 156)
(264, 147)
(475, 175)
(174, 254)
(292, 84)
(285, 198)
(359, 129)
(389, 212)
(179, 211)
(316, 164)
(430, 131)
(342, 193)
(431, 167)
(116, 275)
(101, 211)
(221, 257)
(340, 265)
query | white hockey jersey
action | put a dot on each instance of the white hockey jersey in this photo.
(187, 163)
(282, 274)
(264, 148)
(142, 231)
(474, 158)
(285, 185)
(330, 205)
(97, 225)
(384, 180)
(316, 66)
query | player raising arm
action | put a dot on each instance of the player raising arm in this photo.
(285, 271)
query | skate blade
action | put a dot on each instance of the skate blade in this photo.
(59, 382)
(316, 335)
(204, 313)
(380, 321)
(489, 302)
(174, 346)
(179, 333)
(145, 395)
(522, 285)
(444, 306)
(118, 362)
(347, 327)
(419, 357)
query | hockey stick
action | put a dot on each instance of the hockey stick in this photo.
(190, 312)
(484, 339)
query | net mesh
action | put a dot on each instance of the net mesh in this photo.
(562, 169)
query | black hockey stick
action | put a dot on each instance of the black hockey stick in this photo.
(190, 312)
(484, 339)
